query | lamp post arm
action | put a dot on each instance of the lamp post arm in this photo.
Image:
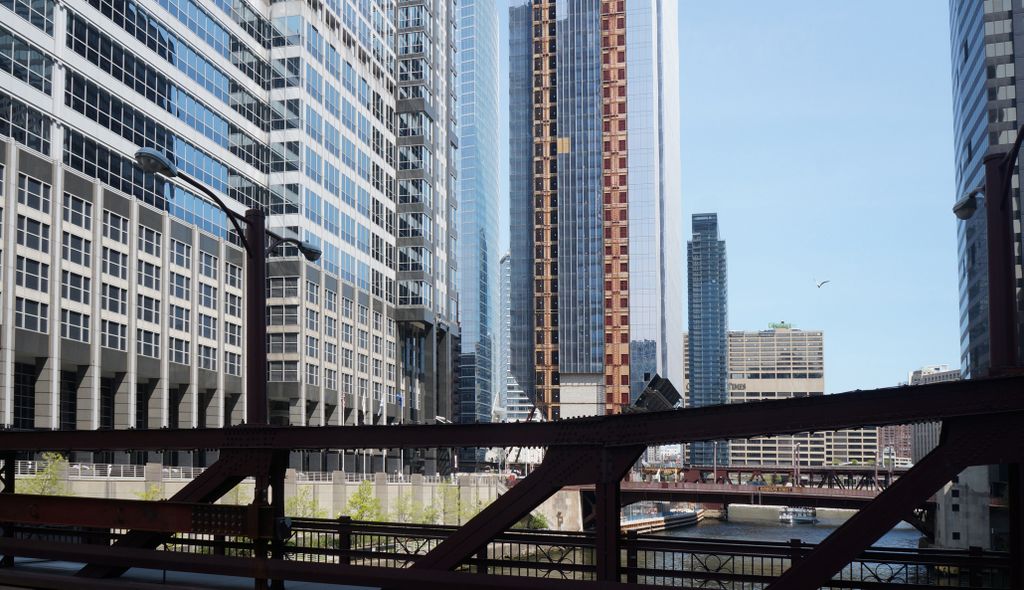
(234, 217)
(277, 240)
(1009, 159)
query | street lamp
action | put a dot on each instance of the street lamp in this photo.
(253, 233)
(1002, 308)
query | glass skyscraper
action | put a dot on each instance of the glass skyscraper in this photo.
(478, 209)
(709, 324)
(595, 202)
(282, 105)
(984, 60)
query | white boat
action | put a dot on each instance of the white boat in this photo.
(792, 515)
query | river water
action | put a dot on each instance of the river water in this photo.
(902, 536)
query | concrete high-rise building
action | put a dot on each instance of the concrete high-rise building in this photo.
(479, 311)
(504, 351)
(283, 105)
(595, 201)
(968, 523)
(778, 363)
(925, 436)
(783, 363)
(908, 443)
(709, 323)
(427, 311)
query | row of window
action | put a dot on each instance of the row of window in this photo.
(24, 124)
(25, 62)
(137, 22)
(37, 12)
(94, 45)
(200, 22)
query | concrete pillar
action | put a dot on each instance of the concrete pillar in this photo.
(9, 156)
(214, 400)
(154, 476)
(381, 491)
(123, 396)
(339, 493)
(182, 403)
(47, 399)
(296, 410)
(291, 483)
(417, 491)
(157, 403)
(87, 410)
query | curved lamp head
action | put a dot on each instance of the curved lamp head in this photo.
(311, 252)
(156, 162)
(964, 208)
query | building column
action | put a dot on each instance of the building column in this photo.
(124, 394)
(87, 409)
(47, 399)
(182, 403)
(8, 156)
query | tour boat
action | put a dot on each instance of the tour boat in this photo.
(797, 516)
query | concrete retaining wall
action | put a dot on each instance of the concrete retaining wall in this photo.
(465, 495)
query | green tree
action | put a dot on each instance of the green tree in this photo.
(532, 521)
(468, 510)
(403, 509)
(238, 496)
(304, 504)
(448, 502)
(49, 478)
(364, 505)
(425, 514)
(151, 493)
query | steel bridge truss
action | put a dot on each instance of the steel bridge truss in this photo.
(981, 425)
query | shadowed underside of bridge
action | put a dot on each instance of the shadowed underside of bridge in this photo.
(981, 425)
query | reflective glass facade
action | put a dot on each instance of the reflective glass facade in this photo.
(984, 61)
(521, 234)
(478, 210)
(596, 244)
(282, 105)
(709, 321)
(985, 89)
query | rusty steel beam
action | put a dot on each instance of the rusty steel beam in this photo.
(37, 580)
(355, 575)
(7, 477)
(612, 467)
(562, 466)
(965, 442)
(164, 516)
(631, 495)
(225, 473)
(894, 405)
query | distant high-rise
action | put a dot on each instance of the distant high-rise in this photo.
(478, 209)
(784, 363)
(708, 318)
(595, 201)
(504, 353)
(925, 436)
(778, 363)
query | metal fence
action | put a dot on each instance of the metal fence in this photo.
(648, 559)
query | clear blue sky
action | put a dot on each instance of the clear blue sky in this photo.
(821, 133)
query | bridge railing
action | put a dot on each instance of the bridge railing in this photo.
(747, 565)
(647, 559)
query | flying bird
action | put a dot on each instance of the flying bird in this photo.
(823, 283)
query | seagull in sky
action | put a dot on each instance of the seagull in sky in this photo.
(822, 283)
